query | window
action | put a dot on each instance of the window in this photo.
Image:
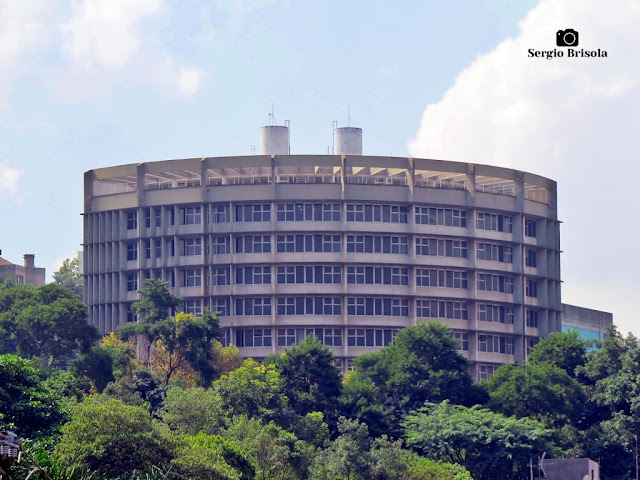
(309, 274)
(377, 213)
(495, 313)
(462, 339)
(495, 283)
(495, 344)
(147, 217)
(220, 213)
(377, 244)
(442, 309)
(132, 220)
(378, 275)
(331, 337)
(308, 243)
(20, 279)
(530, 228)
(192, 246)
(253, 244)
(158, 246)
(253, 306)
(131, 315)
(132, 251)
(370, 337)
(309, 306)
(260, 212)
(220, 276)
(192, 277)
(157, 212)
(301, 212)
(532, 318)
(253, 337)
(225, 338)
(191, 215)
(253, 275)
(532, 342)
(495, 222)
(485, 372)
(378, 306)
(220, 245)
(426, 277)
(287, 337)
(441, 247)
(132, 282)
(530, 258)
(450, 217)
(193, 307)
(531, 288)
(171, 217)
(147, 248)
(495, 252)
(220, 306)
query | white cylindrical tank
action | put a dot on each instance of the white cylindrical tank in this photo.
(347, 141)
(274, 140)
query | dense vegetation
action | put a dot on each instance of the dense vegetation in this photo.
(179, 406)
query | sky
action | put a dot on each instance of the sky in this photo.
(86, 84)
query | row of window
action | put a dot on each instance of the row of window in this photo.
(331, 212)
(308, 243)
(378, 275)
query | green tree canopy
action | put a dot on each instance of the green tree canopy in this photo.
(155, 305)
(310, 379)
(112, 439)
(422, 365)
(69, 276)
(48, 322)
(488, 444)
(28, 406)
(564, 350)
(539, 390)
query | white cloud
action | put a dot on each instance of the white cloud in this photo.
(188, 80)
(10, 182)
(575, 120)
(104, 33)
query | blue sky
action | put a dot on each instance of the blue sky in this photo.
(91, 83)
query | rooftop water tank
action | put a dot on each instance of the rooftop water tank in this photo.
(274, 140)
(347, 141)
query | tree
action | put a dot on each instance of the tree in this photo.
(192, 410)
(142, 389)
(186, 340)
(276, 453)
(155, 305)
(539, 390)
(253, 390)
(310, 379)
(69, 276)
(422, 365)
(28, 406)
(112, 439)
(420, 468)
(48, 322)
(97, 366)
(488, 444)
(564, 350)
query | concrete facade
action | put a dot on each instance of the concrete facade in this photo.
(26, 273)
(349, 248)
(590, 324)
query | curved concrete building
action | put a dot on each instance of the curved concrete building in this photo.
(347, 248)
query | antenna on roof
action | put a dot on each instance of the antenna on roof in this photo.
(348, 115)
(272, 117)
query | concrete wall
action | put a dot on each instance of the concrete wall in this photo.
(590, 324)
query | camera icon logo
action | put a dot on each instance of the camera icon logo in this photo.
(567, 38)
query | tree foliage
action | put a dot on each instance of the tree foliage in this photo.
(68, 276)
(310, 379)
(28, 406)
(488, 444)
(423, 365)
(566, 351)
(48, 322)
(113, 439)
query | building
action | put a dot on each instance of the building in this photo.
(26, 273)
(590, 324)
(347, 247)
